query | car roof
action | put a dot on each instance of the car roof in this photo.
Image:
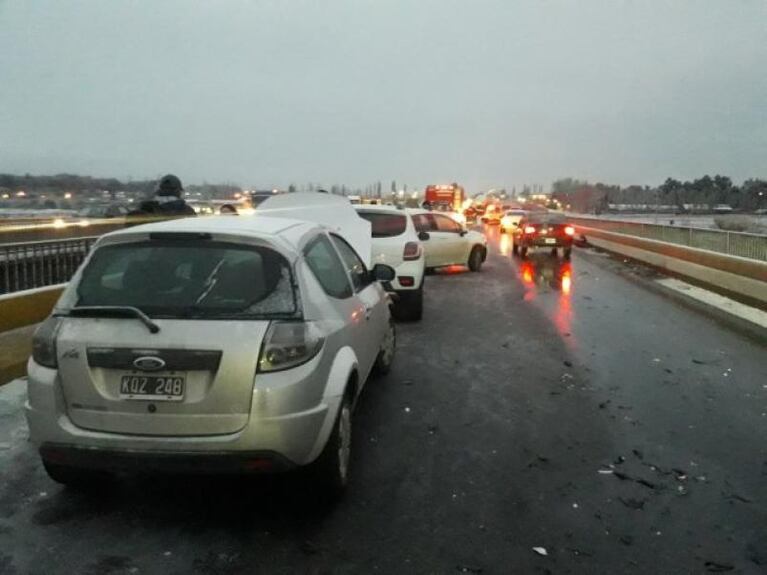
(420, 211)
(379, 208)
(286, 232)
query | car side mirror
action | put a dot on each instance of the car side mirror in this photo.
(383, 273)
(463, 232)
(423, 236)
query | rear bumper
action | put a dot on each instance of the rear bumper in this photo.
(214, 463)
(541, 243)
(276, 426)
(411, 269)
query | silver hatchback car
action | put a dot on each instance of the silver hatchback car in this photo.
(210, 345)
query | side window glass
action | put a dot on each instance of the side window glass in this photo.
(327, 267)
(423, 223)
(446, 224)
(354, 265)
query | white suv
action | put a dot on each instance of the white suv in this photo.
(396, 244)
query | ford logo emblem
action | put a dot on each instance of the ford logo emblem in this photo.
(148, 363)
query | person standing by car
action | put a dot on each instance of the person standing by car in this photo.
(167, 200)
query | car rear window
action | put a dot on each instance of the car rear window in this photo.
(189, 279)
(385, 225)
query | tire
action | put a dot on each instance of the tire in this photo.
(554, 252)
(475, 259)
(76, 478)
(515, 249)
(330, 472)
(410, 306)
(523, 251)
(385, 358)
(567, 252)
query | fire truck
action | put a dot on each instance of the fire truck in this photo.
(449, 197)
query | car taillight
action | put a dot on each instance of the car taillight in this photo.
(570, 230)
(44, 343)
(412, 251)
(289, 344)
(529, 230)
(406, 281)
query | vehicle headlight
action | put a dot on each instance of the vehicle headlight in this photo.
(289, 344)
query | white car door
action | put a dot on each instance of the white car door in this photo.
(450, 235)
(375, 313)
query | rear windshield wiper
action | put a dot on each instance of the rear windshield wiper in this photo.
(112, 311)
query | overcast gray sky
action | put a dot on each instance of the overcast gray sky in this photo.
(485, 92)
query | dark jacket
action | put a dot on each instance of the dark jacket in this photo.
(174, 208)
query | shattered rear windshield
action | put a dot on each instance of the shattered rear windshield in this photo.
(190, 280)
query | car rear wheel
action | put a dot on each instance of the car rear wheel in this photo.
(385, 357)
(76, 478)
(410, 306)
(331, 469)
(475, 259)
(523, 251)
(515, 249)
(566, 252)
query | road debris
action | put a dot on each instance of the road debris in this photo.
(541, 551)
(468, 569)
(717, 567)
(632, 503)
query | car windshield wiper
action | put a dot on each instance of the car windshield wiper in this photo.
(112, 311)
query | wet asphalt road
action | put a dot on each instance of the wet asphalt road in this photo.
(521, 383)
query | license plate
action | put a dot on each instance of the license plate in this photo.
(550, 240)
(152, 387)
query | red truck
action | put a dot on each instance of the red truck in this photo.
(448, 197)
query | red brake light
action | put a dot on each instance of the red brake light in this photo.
(529, 230)
(412, 251)
(570, 230)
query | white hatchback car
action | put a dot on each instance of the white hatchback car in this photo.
(396, 243)
(511, 219)
(446, 242)
(207, 345)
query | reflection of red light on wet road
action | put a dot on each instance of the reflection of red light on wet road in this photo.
(527, 276)
(564, 314)
(455, 269)
(527, 272)
(567, 282)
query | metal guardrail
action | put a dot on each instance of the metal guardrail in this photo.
(37, 264)
(740, 244)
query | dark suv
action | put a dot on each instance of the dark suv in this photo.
(550, 231)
